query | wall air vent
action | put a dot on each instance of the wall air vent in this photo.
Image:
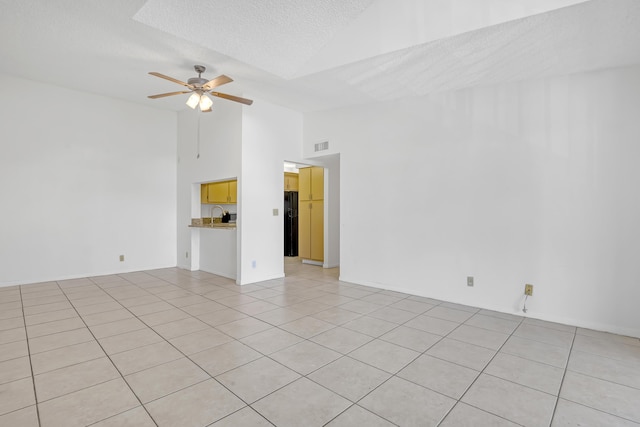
(321, 146)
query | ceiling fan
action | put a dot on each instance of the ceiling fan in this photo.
(199, 88)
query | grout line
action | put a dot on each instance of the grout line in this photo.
(33, 378)
(564, 374)
(234, 412)
(622, 417)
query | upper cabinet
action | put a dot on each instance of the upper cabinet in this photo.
(224, 192)
(233, 192)
(204, 193)
(311, 183)
(290, 181)
(311, 214)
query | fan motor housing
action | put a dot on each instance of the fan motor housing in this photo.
(197, 81)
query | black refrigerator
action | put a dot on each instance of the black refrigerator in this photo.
(290, 223)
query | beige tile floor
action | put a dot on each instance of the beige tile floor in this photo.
(177, 348)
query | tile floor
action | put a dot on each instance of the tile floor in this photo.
(176, 348)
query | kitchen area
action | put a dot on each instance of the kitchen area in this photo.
(215, 231)
(216, 228)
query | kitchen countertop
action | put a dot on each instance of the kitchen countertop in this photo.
(226, 225)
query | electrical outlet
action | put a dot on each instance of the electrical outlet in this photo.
(528, 290)
(187, 255)
(121, 258)
(253, 264)
(275, 212)
(469, 280)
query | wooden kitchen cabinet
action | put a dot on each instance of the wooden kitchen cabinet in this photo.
(290, 181)
(204, 193)
(317, 230)
(233, 192)
(218, 192)
(311, 183)
(304, 229)
(224, 192)
(311, 230)
(311, 214)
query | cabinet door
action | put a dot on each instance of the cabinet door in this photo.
(290, 181)
(317, 183)
(317, 230)
(233, 192)
(304, 230)
(218, 192)
(204, 193)
(304, 184)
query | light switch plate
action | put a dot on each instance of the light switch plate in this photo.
(275, 212)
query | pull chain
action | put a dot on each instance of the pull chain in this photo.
(198, 140)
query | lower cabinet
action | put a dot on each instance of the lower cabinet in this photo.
(311, 230)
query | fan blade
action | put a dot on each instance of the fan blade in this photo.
(232, 98)
(207, 111)
(171, 79)
(162, 95)
(218, 81)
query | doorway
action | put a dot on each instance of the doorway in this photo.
(312, 212)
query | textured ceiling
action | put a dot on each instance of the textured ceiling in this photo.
(311, 55)
(581, 38)
(277, 36)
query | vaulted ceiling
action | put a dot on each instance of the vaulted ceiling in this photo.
(311, 55)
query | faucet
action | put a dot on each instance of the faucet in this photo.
(211, 212)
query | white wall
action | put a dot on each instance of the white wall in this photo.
(332, 211)
(532, 182)
(83, 179)
(270, 135)
(220, 137)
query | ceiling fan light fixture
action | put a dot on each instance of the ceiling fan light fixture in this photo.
(205, 103)
(193, 100)
(200, 89)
